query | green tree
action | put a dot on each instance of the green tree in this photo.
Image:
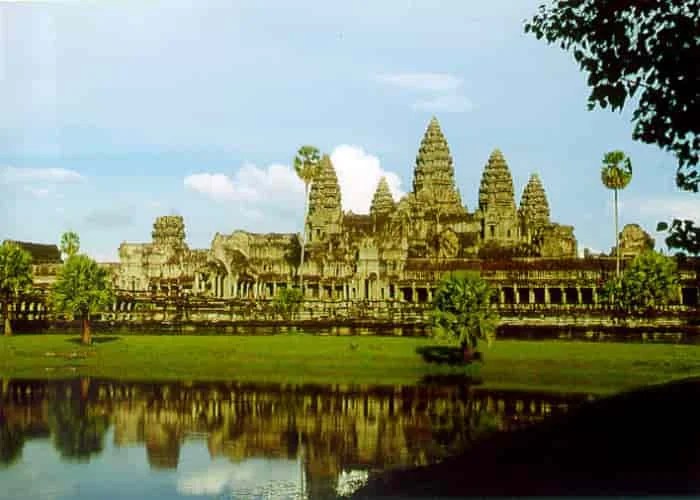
(81, 288)
(288, 302)
(650, 281)
(15, 277)
(307, 164)
(462, 311)
(616, 174)
(630, 46)
(70, 243)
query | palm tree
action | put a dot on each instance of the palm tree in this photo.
(307, 164)
(70, 243)
(82, 288)
(462, 310)
(15, 277)
(616, 173)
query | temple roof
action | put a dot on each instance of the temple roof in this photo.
(41, 253)
(534, 207)
(496, 191)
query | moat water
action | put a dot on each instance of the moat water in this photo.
(94, 438)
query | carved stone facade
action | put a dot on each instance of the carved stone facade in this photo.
(358, 256)
(633, 241)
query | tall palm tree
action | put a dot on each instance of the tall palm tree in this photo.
(70, 243)
(616, 174)
(307, 164)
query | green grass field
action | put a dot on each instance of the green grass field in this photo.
(557, 366)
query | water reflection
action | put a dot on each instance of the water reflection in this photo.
(207, 439)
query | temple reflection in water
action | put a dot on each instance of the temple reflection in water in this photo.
(318, 436)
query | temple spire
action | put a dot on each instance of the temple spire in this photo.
(534, 208)
(325, 190)
(496, 191)
(382, 201)
(433, 179)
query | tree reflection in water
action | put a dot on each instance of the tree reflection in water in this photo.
(330, 430)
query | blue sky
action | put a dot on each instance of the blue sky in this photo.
(112, 113)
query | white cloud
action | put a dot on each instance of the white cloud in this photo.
(434, 82)
(358, 175)
(26, 175)
(249, 184)
(665, 208)
(450, 103)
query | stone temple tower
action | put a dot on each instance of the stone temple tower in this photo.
(433, 178)
(497, 203)
(534, 208)
(325, 210)
(382, 201)
(169, 232)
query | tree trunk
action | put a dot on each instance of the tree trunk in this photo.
(6, 316)
(617, 241)
(303, 238)
(86, 338)
(468, 353)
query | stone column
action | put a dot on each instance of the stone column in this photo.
(413, 291)
(531, 295)
(501, 295)
(516, 294)
(563, 296)
(196, 282)
(594, 292)
(547, 298)
(579, 295)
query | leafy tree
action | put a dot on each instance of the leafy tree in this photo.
(288, 302)
(82, 288)
(682, 235)
(307, 164)
(650, 281)
(646, 46)
(15, 277)
(462, 310)
(70, 243)
(616, 173)
(626, 46)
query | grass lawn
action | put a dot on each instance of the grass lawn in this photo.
(557, 366)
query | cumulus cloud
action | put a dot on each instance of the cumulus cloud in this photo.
(434, 82)
(358, 175)
(444, 104)
(248, 184)
(27, 175)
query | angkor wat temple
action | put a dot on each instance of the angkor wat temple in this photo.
(361, 256)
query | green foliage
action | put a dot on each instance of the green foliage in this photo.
(307, 164)
(630, 46)
(650, 281)
(683, 235)
(288, 302)
(462, 309)
(70, 243)
(82, 287)
(15, 270)
(616, 171)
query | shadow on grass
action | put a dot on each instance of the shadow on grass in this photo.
(445, 355)
(96, 339)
